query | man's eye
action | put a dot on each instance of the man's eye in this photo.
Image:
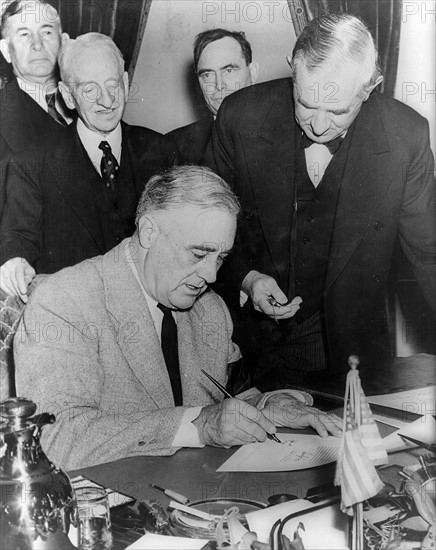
(23, 34)
(199, 255)
(207, 77)
(47, 32)
(230, 70)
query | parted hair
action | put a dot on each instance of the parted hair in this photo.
(335, 40)
(18, 6)
(187, 185)
(207, 37)
(88, 40)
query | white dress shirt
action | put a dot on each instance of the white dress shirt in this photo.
(91, 140)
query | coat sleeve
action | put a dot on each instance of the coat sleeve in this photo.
(417, 224)
(60, 369)
(226, 164)
(22, 220)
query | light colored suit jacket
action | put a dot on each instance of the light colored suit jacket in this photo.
(87, 351)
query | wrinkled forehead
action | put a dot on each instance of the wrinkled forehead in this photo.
(338, 84)
(94, 62)
(34, 12)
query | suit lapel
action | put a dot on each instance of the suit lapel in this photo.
(364, 181)
(270, 161)
(134, 326)
(75, 176)
(39, 125)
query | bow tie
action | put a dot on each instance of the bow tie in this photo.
(332, 145)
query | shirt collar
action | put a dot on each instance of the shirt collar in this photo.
(37, 91)
(91, 140)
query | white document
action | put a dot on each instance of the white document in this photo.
(419, 401)
(296, 452)
(151, 541)
(325, 529)
(423, 429)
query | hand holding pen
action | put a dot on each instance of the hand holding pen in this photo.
(232, 422)
(273, 437)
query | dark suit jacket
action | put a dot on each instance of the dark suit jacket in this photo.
(51, 217)
(387, 191)
(192, 141)
(24, 125)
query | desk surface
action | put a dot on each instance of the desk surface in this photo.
(192, 472)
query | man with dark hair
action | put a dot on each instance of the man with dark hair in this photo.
(77, 199)
(135, 327)
(330, 174)
(223, 64)
(31, 110)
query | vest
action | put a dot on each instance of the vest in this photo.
(312, 232)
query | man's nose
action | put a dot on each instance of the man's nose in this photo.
(106, 97)
(37, 43)
(207, 269)
(220, 82)
(320, 123)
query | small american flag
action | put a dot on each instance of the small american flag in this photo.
(362, 447)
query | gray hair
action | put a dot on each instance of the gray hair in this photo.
(335, 40)
(18, 6)
(84, 41)
(186, 185)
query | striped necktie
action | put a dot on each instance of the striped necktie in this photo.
(52, 111)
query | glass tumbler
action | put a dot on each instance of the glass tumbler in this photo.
(94, 519)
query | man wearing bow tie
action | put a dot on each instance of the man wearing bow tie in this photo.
(330, 174)
(78, 199)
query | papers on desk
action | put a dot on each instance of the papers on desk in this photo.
(418, 401)
(297, 452)
(151, 541)
(423, 429)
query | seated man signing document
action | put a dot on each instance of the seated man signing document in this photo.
(114, 346)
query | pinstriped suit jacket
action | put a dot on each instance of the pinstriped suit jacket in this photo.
(87, 351)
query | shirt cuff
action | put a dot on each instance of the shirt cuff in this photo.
(187, 434)
(302, 396)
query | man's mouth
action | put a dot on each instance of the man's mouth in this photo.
(196, 288)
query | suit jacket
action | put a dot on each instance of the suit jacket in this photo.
(192, 141)
(52, 214)
(24, 125)
(387, 191)
(95, 361)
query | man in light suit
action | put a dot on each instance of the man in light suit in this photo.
(223, 63)
(92, 346)
(77, 197)
(330, 174)
(31, 36)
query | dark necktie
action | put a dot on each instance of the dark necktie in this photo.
(332, 145)
(52, 111)
(170, 352)
(108, 165)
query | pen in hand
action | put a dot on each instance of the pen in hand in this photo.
(273, 437)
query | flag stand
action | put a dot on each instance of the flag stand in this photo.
(361, 450)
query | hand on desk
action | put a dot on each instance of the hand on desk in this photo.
(285, 410)
(264, 292)
(232, 422)
(15, 276)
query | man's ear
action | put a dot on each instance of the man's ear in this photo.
(67, 95)
(368, 91)
(147, 231)
(126, 86)
(254, 71)
(4, 48)
(64, 37)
